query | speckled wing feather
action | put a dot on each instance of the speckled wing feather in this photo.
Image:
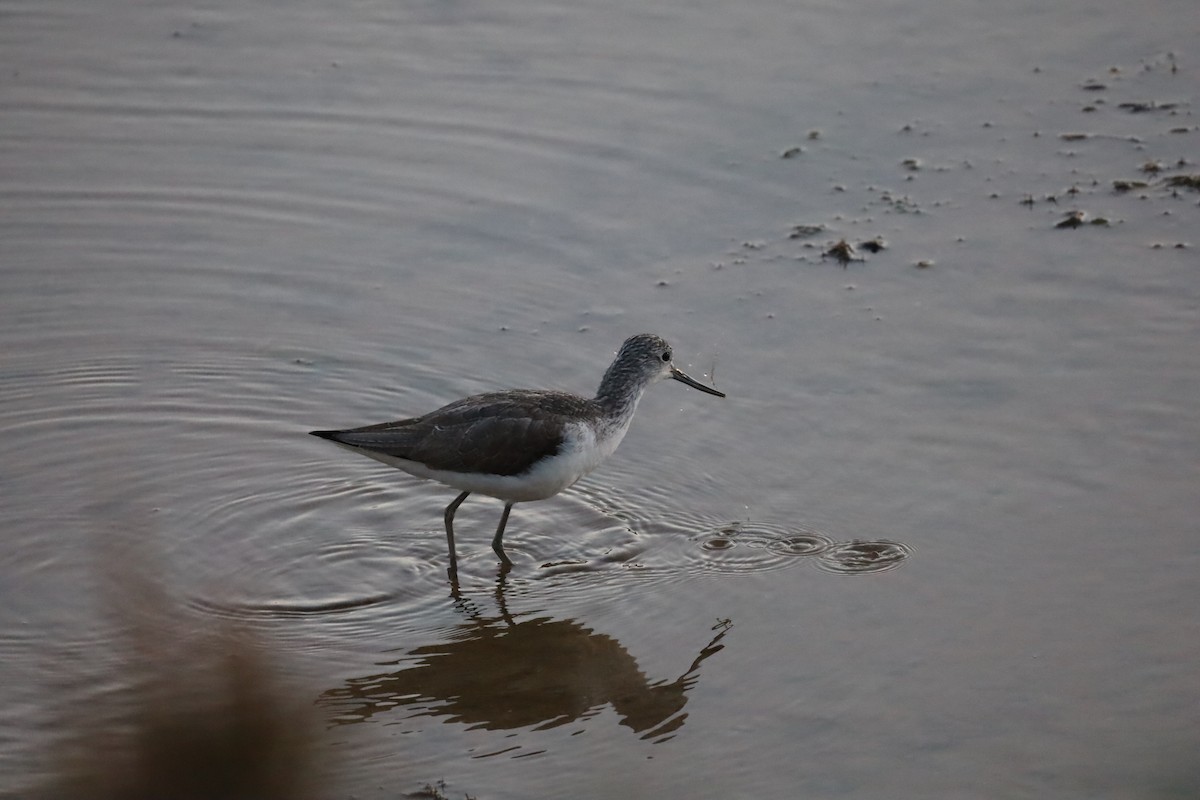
(500, 433)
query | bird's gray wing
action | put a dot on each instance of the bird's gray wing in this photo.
(501, 433)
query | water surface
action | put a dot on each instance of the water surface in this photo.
(940, 539)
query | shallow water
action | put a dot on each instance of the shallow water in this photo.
(940, 539)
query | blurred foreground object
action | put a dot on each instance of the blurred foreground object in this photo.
(194, 712)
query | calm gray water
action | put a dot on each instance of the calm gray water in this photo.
(941, 540)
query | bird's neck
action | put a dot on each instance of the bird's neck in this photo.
(619, 393)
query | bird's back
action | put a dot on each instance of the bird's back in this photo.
(498, 433)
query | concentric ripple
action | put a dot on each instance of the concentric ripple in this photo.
(754, 546)
(859, 557)
(674, 545)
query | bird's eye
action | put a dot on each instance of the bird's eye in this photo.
(666, 356)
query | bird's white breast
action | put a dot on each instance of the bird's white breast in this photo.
(583, 449)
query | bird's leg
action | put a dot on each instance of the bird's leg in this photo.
(498, 539)
(450, 509)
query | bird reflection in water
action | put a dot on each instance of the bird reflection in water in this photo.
(497, 673)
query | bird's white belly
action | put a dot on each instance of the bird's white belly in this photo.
(582, 451)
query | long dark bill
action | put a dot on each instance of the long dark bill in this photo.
(683, 377)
